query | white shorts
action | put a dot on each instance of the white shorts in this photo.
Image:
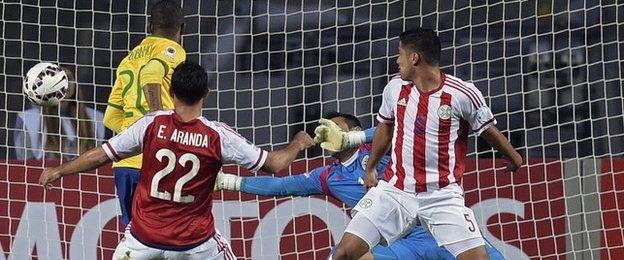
(395, 213)
(215, 248)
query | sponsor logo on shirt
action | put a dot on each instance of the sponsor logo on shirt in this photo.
(402, 102)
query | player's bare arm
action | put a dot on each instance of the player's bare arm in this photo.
(382, 141)
(152, 94)
(90, 160)
(282, 158)
(498, 141)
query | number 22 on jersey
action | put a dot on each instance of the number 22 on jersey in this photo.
(171, 164)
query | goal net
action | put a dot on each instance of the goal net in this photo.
(550, 71)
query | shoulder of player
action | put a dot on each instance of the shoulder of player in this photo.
(463, 90)
(393, 87)
(222, 129)
(151, 116)
(168, 48)
(459, 83)
(396, 81)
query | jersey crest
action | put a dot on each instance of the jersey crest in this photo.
(170, 52)
(444, 112)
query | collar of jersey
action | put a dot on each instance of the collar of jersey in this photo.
(351, 159)
(162, 37)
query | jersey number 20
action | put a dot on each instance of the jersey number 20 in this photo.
(177, 192)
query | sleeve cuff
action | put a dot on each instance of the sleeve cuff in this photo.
(260, 161)
(110, 152)
(485, 126)
(384, 119)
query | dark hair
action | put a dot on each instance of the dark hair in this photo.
(166, 16)
(189, 82)
(352, 121)
(425, 42)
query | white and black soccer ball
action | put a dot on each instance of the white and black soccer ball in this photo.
(45, 84)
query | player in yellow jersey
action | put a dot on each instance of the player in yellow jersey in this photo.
(142, 85)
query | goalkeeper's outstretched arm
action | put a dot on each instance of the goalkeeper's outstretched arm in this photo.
(294, 185)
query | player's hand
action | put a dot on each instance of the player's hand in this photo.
(227, 181)
(303, 140)
(49, 175)
(329, 135)
(513, 164)
(370, 179)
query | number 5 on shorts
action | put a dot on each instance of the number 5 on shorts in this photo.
(472, 226)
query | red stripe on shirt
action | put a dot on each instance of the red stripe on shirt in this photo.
(476, 105)
(420, 132)
(484, 124)
(398, 148)
(323, 179)
(460, 150)
(110, 147)
(444, 133)
(473, 95)
(384, 117)
(388, 171)
(258, 161)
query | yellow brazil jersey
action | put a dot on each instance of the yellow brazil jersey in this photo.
(127, 92)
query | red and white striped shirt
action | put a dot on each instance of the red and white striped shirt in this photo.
(431, 131)
(172, 206)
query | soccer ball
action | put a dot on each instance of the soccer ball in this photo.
(45, 84)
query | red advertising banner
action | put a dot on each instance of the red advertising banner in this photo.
(522, 214)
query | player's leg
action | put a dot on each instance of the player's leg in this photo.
(126, 180)
(419, 244)
(360, 235)
(216, 247)
(378, 218)
(383, 253)
(470, 249)
(131, 248)
(451, 223)
(492, 252)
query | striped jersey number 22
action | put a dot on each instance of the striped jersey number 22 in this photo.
(177, 192)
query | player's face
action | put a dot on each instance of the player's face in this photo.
(405, 62)
(341, 122)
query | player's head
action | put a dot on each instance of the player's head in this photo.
(346, 121)
(189, 83)
(418, 46)
(167, 19)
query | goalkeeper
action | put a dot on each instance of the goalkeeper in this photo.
(142, 85)
(343, 180)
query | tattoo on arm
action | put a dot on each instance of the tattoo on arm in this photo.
(152, 95)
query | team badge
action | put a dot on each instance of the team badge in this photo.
(444, 112)
(364, 161)
(170, 52)
(366, 203)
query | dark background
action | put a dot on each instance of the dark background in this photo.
(550, 70)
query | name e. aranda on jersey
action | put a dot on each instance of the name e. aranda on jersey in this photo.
(185, 138)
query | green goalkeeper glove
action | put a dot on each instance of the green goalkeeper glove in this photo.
(334, 139)
(227, 181)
